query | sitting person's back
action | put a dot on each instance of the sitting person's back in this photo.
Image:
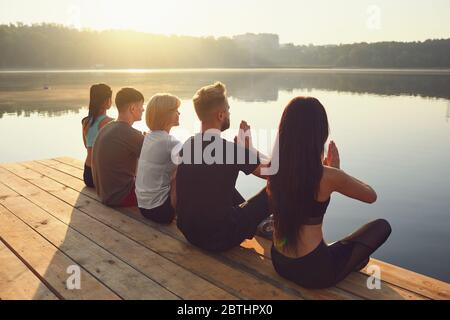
(99, 103)
(155, 175)
(300, 193)
(207, 187)
(116, 152)
(211, 212)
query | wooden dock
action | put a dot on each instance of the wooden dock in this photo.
(50, 221)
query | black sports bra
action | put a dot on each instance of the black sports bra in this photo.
(317, 213)
(315, 218)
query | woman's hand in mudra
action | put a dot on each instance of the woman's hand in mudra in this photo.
(332, 159)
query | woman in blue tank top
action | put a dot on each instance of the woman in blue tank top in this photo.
(100, 101)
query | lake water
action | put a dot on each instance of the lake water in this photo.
(392, 130)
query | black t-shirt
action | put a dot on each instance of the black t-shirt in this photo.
(206, 178)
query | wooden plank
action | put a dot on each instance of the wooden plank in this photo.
(49, 162)
(70, 170)
(47, 261)
(126, 281)
(427, 286)
(240, 283)
(173, 277)
(17, 282)
(69, 180)
(71, 161)
(263, 267)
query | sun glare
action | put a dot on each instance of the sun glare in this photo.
(161, 17)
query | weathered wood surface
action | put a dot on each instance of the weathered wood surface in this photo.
(49, 221)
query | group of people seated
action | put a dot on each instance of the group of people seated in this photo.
(194, 182)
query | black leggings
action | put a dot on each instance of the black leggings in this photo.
(163, 214)
(327, 265)
(87, 177)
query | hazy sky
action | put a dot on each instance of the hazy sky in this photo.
(297, 21)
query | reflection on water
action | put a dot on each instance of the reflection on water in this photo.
(27, 111)
(54, 92)
(389, 128)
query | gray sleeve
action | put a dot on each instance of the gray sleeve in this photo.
(172, 143)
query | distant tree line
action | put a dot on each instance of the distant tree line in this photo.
(53, 46)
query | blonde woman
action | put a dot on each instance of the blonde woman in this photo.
(156, 169)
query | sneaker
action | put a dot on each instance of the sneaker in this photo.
(265, 228)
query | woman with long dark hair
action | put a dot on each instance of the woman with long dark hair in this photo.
(100, 101)
(299, 195)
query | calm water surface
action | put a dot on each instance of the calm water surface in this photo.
(392, 130)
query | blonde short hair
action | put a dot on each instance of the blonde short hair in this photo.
(209, 97)
(159, 109)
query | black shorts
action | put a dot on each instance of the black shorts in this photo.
(87, 176)
(235, 224)
(163, 214)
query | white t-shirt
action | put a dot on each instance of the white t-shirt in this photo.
(155, 169)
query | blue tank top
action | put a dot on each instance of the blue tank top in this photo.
(93, 131)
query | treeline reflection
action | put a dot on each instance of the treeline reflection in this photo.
(55, 94)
